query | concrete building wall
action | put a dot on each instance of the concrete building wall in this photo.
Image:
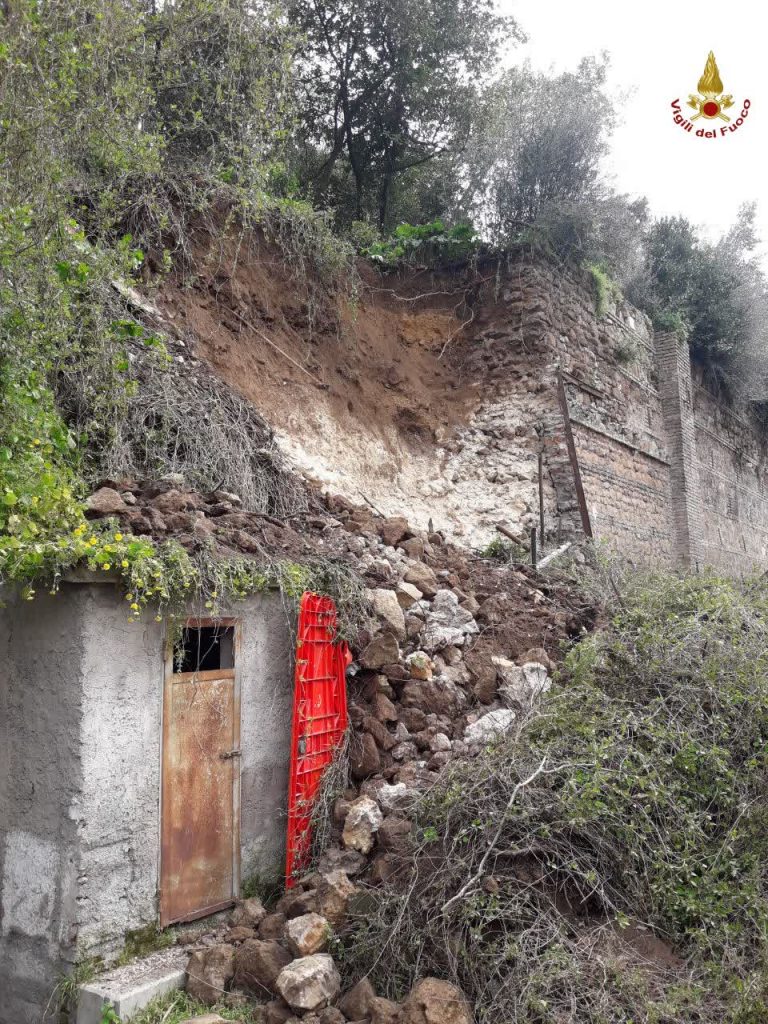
(81, 699)
(40, 712)
(120, 750)
(268, 633)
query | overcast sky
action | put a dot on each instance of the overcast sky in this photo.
(658, 51)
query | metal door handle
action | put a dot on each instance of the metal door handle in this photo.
(229, 754)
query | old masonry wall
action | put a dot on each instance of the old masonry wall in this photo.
(670, 474)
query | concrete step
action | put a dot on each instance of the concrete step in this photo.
(131, 987)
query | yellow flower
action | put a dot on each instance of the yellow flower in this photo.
(93, 541)
(134, 607)
(124, 563)
(129, 597)
(106, 566)
(158, 618)
(118, 536)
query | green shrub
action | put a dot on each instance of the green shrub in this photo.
(424, 244)
(604, 288)
(635, 794)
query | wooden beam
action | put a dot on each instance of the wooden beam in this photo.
(571, 445)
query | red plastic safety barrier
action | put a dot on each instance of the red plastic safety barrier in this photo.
(319, 720)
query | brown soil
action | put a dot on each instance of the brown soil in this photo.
(279, 342)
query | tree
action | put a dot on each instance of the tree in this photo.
(717, 292)
(220, 80)
(538, 146)
(390, 87)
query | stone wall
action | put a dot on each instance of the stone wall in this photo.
(544, 325)
(732, 468)
(670, 474)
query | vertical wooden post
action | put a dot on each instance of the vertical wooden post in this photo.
(534, 555)
(541, 499)
(571, 445)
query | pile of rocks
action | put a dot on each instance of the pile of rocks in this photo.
(280, 961)
(419, 695)
(455, 651)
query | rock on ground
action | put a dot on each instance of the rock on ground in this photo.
(448, 624)
(360, 825)
(248, 913)
(209, 972)
(307, 934)
(436, 1002)
(354, 1003)
(258, 962)
(382, 650)
(492, 726)
(387, 607)
(309, 983)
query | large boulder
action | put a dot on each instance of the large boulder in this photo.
(361, 824)
(420, 665)
(408, 594)
(354, 1004)
(209, 972)
(421, 576)
(440, 696)
(394, 834)
(393, 530)
(104, 502)
(521, 684)
(436, 1002)
(310, 983)
(382, 708)
(334, 891)
(448, 624)
(387, 607)
(307, 934)
(383, 1011)
(248, 913)
(490, 728)
(537, 654)
(257, 965)
(382, 650)
(395, 797)
(277, 1012)
(364, 757)
(483, 672)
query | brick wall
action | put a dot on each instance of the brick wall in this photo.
(732, 468)
(670, 475)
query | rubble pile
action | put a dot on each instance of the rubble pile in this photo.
(457, 646)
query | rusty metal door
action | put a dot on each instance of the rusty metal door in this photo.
(200, 799)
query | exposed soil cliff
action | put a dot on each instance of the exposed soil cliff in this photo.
(380, 395)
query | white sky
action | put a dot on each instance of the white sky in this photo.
(658, 50)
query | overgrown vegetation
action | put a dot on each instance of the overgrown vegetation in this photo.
(142, 941)
(129, 125)
(123, 123)
(630, 805)
(175, 1007)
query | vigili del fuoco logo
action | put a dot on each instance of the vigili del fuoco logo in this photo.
(710, 104)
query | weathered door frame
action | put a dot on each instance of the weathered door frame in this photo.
(196, 622)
